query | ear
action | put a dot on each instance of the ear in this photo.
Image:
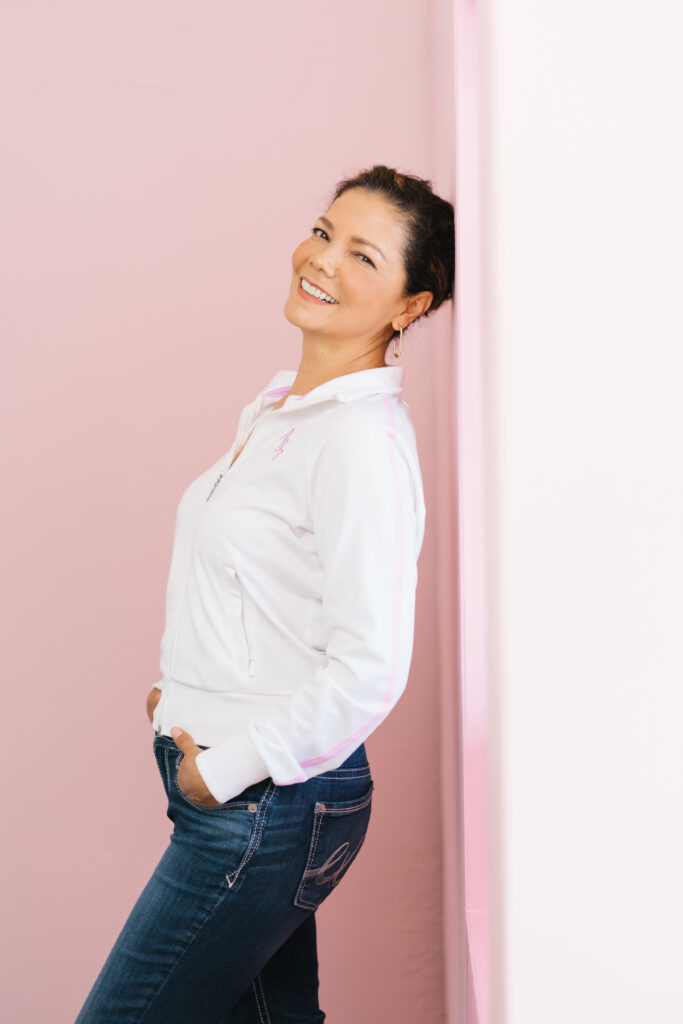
(417, 305)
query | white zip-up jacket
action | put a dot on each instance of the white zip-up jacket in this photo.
(290, 603)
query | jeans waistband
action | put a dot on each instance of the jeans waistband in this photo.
(358, 758)
(168, 741)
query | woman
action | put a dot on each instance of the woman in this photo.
(289, 633)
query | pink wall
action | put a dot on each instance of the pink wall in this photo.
(160, 163)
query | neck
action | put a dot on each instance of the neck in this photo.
(322, 363)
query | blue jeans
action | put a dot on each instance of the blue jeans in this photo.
(224, 931)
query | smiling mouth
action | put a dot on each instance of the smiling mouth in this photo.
(309, 294)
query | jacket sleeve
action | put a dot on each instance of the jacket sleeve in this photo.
(367, 513)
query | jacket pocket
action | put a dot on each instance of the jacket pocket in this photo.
(339, 829)
(245, 620)
(213, 646)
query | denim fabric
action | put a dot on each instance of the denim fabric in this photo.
(224, 931)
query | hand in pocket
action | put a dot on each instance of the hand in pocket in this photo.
(189, 779)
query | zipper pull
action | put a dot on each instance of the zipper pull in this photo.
(252, 666)
(220, 477)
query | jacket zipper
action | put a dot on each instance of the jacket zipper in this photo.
(232, 460)
(251, 659)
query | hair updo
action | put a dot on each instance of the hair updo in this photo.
(429, 248)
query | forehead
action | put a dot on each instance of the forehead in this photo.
(361, 212)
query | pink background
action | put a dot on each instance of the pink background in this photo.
(160, 163)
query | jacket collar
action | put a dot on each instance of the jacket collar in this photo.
(378, 380)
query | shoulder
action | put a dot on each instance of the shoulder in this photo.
(368, 438)
(364, 459)
(375, 429)
(373, 421)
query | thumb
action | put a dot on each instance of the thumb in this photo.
(183, 740)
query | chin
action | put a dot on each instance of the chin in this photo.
(292, 313)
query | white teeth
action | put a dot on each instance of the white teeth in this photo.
(319, 294)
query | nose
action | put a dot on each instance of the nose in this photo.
(326, 262)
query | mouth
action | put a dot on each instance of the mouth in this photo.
(308, 290)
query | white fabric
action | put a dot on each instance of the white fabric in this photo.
(290, 602)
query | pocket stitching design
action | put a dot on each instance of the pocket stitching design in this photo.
(299, 900)
(256, 833)
(168, 770)
(320, 809)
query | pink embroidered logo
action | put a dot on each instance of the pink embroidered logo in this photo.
(281, 447)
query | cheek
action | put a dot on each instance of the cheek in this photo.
(369, 293)
(300, 255)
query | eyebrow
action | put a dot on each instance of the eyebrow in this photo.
(356, 238)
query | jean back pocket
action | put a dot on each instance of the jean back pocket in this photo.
(339, 829)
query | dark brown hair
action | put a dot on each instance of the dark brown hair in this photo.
(429, 249)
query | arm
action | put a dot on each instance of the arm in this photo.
(368, 514)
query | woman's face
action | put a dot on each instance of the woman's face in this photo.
(364, 278)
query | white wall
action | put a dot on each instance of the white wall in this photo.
(584, 377)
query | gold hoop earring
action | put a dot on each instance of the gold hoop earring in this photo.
(400, 344)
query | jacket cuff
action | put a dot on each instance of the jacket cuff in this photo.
(227, 769)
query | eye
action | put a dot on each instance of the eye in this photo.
(361, 254)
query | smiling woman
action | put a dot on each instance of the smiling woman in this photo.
(288, 639)
(380, 257)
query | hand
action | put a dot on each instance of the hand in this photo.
(190, 781)
(152, 701)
